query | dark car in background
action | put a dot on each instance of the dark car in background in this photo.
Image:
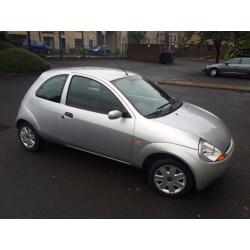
(233, 66)
(100, 50)
(38, 47)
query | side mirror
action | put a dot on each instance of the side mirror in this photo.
(114, 114)
(226, 64)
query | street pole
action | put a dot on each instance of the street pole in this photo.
(60, 44)
(28, 37)
(82, 44)
(104, 41)
(116, 43)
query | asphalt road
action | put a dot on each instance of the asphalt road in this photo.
(60, 182)
(182, 69)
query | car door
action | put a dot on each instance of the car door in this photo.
(85, 123)
(232, 66)
(245, 66)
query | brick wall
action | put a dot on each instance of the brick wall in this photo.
(145, 52)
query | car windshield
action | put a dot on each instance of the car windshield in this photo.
(148, 98)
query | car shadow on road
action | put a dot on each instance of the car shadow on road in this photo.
(127, 175)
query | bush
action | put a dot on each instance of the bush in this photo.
(16, 60)
(4, 45)
(3, 36)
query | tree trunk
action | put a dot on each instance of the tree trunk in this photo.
(217, 48)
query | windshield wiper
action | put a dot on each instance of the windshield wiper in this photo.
(160, 110)
(163, 109)
(163, 106)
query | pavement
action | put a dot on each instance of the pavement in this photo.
(60, 182)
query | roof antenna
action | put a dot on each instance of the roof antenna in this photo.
(123, 69)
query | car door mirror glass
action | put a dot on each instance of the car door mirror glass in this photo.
(114, 114)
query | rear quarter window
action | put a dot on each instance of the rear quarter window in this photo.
(52, 88)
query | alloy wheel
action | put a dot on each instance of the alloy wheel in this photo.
(213, 72)
(27, 137)
(170, 179)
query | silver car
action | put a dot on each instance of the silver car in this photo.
(235, 66)
(125, 117)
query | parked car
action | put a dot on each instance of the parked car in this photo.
(38, 48)
(100, 50)
(236, 66)
(125, 117)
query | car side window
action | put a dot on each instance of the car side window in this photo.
(233, 61)
(245, 61)
(52, 88)
(88, 94)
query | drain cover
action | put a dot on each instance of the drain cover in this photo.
(3, 127)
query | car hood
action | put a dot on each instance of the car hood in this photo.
(214, 65)
(201, 123)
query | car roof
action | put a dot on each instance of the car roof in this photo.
(108, 74)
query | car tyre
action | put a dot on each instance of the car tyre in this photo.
(28, 137)
(214, 72)
(170, 177)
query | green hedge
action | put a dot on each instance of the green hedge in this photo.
(17, 60)
(4, 45)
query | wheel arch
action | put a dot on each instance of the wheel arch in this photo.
(20, 121)
(25, 115)
(165, 155)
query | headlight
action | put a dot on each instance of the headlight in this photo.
(208, 152)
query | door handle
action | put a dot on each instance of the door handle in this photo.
(68, 114)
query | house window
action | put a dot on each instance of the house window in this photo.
(49, 41)
(78, 43)
(91, 44)
(63, 43)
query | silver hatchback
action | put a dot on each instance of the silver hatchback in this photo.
(233, 66)
(125, 117)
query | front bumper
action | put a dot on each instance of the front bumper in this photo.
(207, 172)
(204, 172)
(206, 70)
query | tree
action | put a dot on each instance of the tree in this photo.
(217, 37)
(136, 36)
(241, 44)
